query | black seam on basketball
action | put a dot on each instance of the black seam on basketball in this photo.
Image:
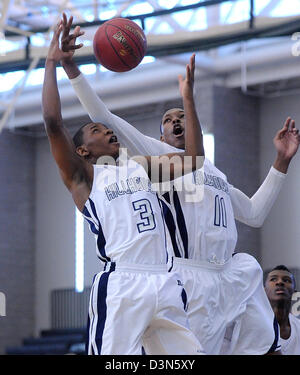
(141, 53)
(128, 66)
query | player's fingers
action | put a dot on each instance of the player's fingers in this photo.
(188, 73)
(66, 29)
(77, 31)
(180, 77)
(293, 126)
(64, 18)
(192, 62)
(57, 30)
(285, 127)
(75, 46)
(69, 23)
(74, 36)
(287, 123)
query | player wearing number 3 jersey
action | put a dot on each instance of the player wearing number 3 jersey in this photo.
(134, 296)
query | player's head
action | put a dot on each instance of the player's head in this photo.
(280, 285)
(172, 128)
(94, 140)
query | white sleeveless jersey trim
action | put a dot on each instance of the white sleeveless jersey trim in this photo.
(205, 230)
(291, 346)
(125, 216)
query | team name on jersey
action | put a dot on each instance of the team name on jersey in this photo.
(218, 183)
(129, 186)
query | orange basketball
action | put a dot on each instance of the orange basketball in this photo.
(119, 44)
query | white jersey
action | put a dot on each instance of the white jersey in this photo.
(125, 216)
(291, 346)
(209, 223)
(205, 230)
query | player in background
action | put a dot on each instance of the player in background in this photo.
(134, 295)
(280, 285)
(224, 292)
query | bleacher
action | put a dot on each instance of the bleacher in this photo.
(52, 342)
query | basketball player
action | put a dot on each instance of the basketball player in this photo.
(225, 292)
(134, 295)
(280, 285)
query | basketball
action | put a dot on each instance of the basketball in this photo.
(119, 44)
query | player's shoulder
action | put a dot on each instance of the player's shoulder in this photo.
(294, 320)
(210, 168)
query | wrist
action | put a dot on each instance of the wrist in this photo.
(67, 62)
(51, 61)
(188, 98)
(282, 163)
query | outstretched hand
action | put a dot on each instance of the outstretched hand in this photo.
(186, 85)
(68, 40)
(287, 140)
(57, 52)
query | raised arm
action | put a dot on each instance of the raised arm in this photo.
(253, 211)
(72, 168)
(193, 156)
(129, 137)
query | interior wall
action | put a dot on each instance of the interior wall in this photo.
(280, 233)
(236, 130)
(17, 230)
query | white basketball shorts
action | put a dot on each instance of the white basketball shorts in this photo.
(228, 309)
(133, 303)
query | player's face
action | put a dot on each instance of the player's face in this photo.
(173, 124)
(100, 141)
(279, 286)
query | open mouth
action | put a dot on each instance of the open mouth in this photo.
(280, 291)
(178, 130)
(113, 139)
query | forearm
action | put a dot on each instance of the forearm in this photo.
(253, 211)
(281, 164)
(71, 68)
(50, 98)
(129, 137)
(193, 132)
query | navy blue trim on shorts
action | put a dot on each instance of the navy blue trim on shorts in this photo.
(172, 264)
(102, 307)
(184, 299)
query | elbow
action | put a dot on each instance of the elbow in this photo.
(257, 224)
(252, 222)
(52, 125)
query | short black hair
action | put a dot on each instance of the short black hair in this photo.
(78, 136)
(282, 267)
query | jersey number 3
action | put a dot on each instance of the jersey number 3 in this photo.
(220, 212)
(146, 214)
